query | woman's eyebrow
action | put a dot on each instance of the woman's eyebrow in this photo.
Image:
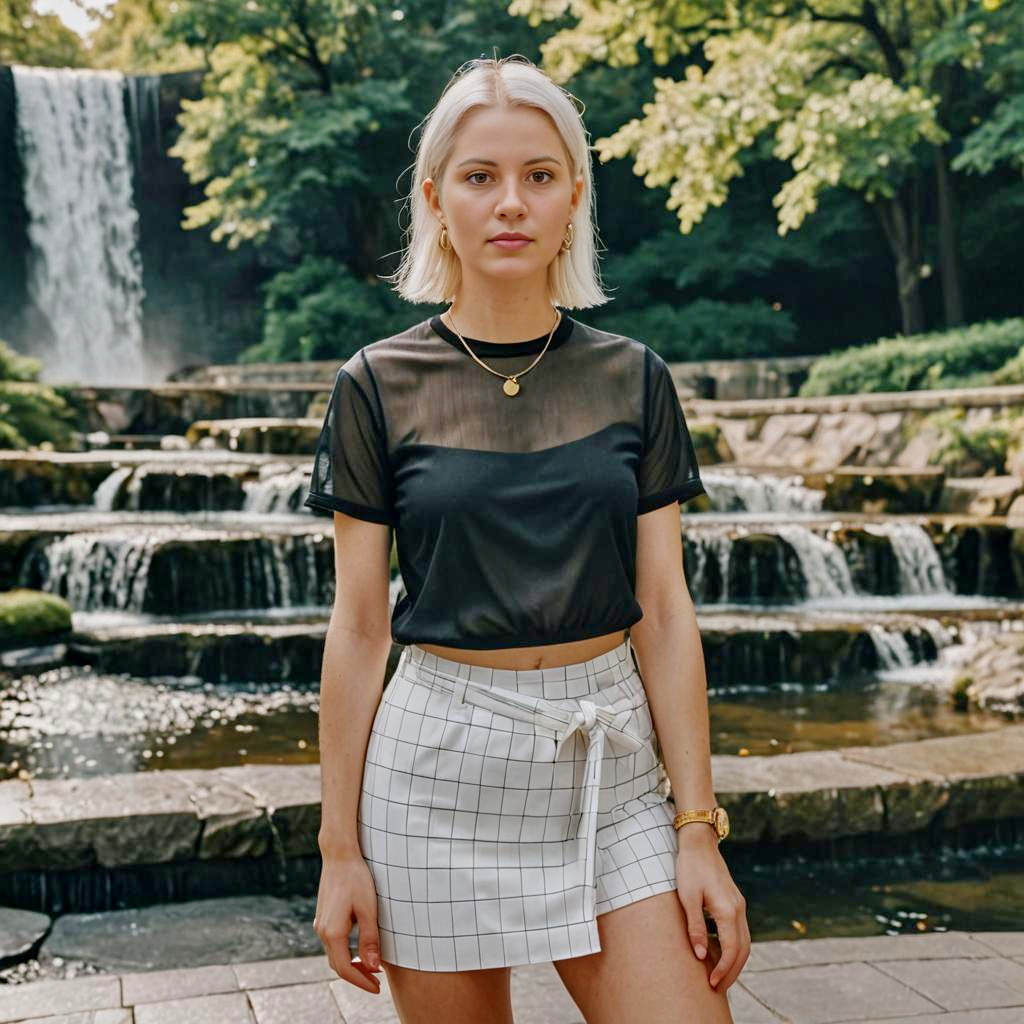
(494, 163)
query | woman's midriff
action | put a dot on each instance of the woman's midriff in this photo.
(543, 656)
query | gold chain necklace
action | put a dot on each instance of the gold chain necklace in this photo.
(511, 385)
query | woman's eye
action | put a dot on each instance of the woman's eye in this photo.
(472, 175)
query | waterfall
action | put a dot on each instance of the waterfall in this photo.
(85, 273)
(144, 108)
(276, 491)
(108, 490)
(919, 565)
(154, 570)
(731, 491)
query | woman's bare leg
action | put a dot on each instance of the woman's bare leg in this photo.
(646, 970)
(454, 997)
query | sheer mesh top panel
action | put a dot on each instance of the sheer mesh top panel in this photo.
(515, 517)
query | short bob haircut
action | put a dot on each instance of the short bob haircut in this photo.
(429, 274)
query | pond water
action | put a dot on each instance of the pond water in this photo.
(981, 891)
(74, 722)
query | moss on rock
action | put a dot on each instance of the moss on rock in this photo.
(29, 617)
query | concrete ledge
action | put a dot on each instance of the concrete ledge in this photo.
(997, 396)
(246, 811)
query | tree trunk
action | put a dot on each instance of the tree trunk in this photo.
(949, 251)
(898, 218)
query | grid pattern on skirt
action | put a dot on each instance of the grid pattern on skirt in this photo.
(503, 810)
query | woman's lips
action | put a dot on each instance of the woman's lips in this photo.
(510, 243)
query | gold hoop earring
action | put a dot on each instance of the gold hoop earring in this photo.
(568, 239)
(442, 239)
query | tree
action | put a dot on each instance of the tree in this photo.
(867, 95)
(28, 37)
(131, 35)
(307, 107)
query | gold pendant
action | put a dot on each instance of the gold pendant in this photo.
(510, 387)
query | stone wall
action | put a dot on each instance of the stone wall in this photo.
(817, 434)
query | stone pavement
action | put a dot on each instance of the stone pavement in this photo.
(932, 978)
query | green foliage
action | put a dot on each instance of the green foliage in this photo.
(320, 311)
(1011, 372)
(977, 451)
(28, 37)
(868, 97)
(708, 329)
(30, 413)
(306, 113)
(132, 36)
(991, 38)
(963, 357)
(15, 366)
(31, 617)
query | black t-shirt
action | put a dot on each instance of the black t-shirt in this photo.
(515, 517)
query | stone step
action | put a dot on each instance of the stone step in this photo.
(170, 407)
(193, 476)
(184, 823)
(758, 560)
(756, 646)
(265, 435)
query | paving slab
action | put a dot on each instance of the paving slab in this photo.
(42, 998)
(830, 993)
(122, 1016)
(287, 971)
(1003, 943)
(961, 984)
(359, 1007)
(934, 978)
(181, 983)
(745, 1008)
(231, 1008)
(969, 1017)
(310, 1004)
(800, 953)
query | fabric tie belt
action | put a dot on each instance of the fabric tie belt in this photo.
(594, 720)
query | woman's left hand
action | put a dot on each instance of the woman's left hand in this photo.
(703, 880)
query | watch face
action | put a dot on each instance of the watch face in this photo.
(721, 822)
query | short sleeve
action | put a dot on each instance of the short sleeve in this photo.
(351, 468)
(668, 468)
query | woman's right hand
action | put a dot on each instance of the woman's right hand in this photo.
(347, 894)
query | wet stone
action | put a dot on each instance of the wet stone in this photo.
(213, 931)
(20, 930)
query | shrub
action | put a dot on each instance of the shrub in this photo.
(30, 413)
(964, 357)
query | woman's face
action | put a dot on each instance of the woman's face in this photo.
(508, 173)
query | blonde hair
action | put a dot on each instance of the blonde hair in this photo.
(430, 274)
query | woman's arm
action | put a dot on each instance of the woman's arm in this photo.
(355, 658)
(671, 657)
(351, 683)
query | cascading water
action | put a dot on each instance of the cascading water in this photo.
(730, 491)
(276, 492)
(85, 273)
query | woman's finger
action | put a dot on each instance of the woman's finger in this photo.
(353, 971)
(692, 899)
(729, 921)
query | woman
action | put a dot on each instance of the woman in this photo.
(499, 805)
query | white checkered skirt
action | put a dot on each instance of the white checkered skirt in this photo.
(492, 837)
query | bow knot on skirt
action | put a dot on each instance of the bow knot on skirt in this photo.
(503, 810)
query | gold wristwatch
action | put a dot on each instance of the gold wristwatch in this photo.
(717, 817)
